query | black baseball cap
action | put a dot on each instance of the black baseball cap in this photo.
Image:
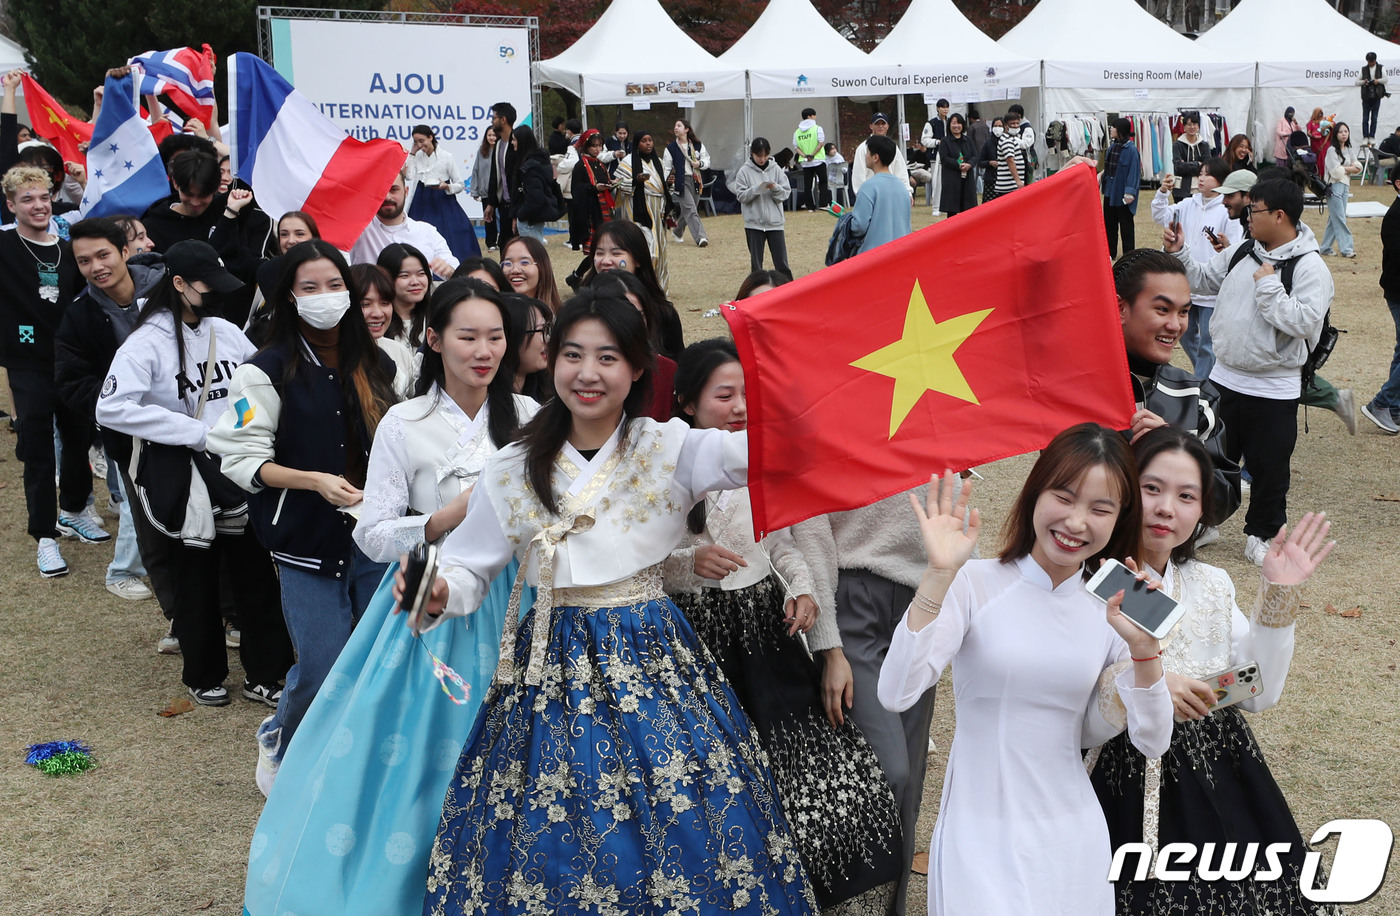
(196, 260)
(879, 116)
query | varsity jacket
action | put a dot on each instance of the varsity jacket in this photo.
(304, 423)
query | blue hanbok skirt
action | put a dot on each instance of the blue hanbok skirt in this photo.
(350, 820)
(629, 781)
(445, 214)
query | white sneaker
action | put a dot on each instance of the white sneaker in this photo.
(51, 564)
(114, 509)
(98, 459)
(268, 747)
(131, 589)
(1346, 409)
(92, 515)
(1209, 535)
(1255, 549)
(80, 526)
(168, 644)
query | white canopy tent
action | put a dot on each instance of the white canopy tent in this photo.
(1113, 56)
(963, 64)
(1309, 56)
(794, 60)
(12, 57)
(636, 54)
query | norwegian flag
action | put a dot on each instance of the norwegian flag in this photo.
(183, 75)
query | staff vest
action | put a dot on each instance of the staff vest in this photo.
(808, 143)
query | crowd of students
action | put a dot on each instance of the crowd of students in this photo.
(643, 708)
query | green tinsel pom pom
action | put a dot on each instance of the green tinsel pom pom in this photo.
(60, 758)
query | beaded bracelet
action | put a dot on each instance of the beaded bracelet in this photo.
(925, 603)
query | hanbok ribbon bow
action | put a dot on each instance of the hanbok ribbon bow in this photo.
(543, 545)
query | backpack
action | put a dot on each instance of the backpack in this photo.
(1326, 341)
(561, 207)
(844, 243)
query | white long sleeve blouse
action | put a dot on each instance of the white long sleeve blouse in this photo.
(426, 452)
(637, 492)
(440, 166)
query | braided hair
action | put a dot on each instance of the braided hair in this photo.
(1130, 271)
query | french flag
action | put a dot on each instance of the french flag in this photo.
(295, 158)
(184, 75)
(125, 174)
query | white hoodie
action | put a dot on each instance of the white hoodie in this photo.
(1262, 334)
(145, 393)
(1196, 213)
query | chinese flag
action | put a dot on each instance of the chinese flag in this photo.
(54, 124)
(969, 341)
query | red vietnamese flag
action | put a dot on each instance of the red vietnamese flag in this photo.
(969, 341)
(51, 122)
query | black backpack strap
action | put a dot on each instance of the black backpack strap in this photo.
(1246, 250)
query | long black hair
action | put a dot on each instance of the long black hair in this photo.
(391, 259)
(537, 384)
(628, 235)
(693, 371)
(501, 419)
(619, 283)
(1169, 439)
(487, 265)
(164, 297)
(546, 434)
(364, 382)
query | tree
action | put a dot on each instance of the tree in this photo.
(112, 31)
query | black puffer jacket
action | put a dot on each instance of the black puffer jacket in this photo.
(535, 201)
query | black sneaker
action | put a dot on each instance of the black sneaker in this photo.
(573, 280)
(211, 696)
(267, 694)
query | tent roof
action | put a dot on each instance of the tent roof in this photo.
(792, 34)
(1108, 31)
(652, 41)
(11, 54)
(1293, 31)
(958, 39)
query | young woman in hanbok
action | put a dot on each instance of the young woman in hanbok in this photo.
(1019, 830)
(747, 602)
(644, 197)
(612, 769)
(350, 821)
(435, 193)
(1212, 785)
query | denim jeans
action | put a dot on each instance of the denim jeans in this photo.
(126, 558)
(320, 612)
(529, 230)
(1337, 219)
(1370, 113)
(1389, 395)
(1196, 341)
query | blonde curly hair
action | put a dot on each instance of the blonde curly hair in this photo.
(22, 176)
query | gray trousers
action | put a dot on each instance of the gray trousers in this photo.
(688, 198)
(868, 607)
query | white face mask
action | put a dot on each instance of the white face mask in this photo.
(998, 130)
(324, 311)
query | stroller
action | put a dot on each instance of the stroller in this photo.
(1302, 164)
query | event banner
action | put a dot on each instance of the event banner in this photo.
(891, 79)
(1147, 75)
(1319, 74)
(380, 79)
(680, 86)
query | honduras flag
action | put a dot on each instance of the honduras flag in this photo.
(295, 158)
(125, 174)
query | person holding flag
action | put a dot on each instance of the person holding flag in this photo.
(125, 172)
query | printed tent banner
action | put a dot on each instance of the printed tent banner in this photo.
(866, 377)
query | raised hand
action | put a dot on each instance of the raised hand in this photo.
(947, 545)
(1292, 558)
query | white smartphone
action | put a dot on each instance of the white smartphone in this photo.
(1152, 610)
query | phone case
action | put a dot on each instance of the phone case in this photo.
(419, 575)
(1234, 686)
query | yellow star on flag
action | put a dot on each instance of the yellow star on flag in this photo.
(56, 118)
(922, 359)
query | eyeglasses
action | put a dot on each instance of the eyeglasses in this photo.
(523, 264)
(543, 331)
(1263, 209)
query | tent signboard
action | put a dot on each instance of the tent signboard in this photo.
(1079, 74)
(1319, 73)
(657, 85)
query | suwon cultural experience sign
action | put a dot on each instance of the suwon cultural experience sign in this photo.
(380, 79)
(821, 81)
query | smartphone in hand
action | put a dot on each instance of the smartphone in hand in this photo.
(1152, 610)
(419, 574)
